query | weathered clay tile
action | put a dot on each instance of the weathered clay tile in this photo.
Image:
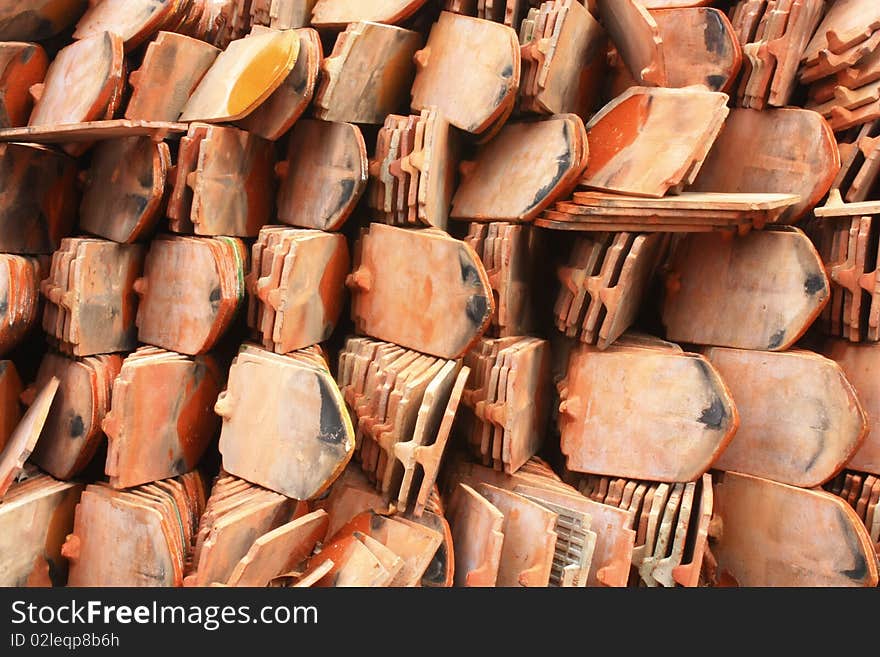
(522, 170)
(264, 61)
(72, 432)
(35, 20)
(312, 442)
(95, 84)
(795, 435)
(305, 288)
(339, 13)
(168, 435)
(22, 65)
(36, 516)
(287, 103)
(562, 73)
(699, 47)
(143, 524)
(448, 286)
(469, 97)
(685, 121)
(476, 533)
(124, 188)
(172, 68)
(712, 277)
(801, 157)
(368, 74)
(529, 539)
(215, 207)
(189, 277)
(279, 550)
(638, 39)
(686, 414)
(95, 295)
(323, 176)
(24, 437)
(39, 198)
(751, 510)
(10, 407)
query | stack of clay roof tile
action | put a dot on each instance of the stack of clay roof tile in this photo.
(496, 293)
(840, 64)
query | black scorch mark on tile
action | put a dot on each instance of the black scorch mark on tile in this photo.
(776, 339)
(332, 428)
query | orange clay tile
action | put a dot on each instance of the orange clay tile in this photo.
(35, 20)
(685, 121)
(280, 111)
(638, 38)
(311, 443)
(857, 361)
(141, 554)
(242, 77)
(95, 83)
(128, 208)
(172, 67)
(435, 418)
(72, 432)
(279, 550)
(522, 170)
(800, 418)
(187, 296)
(803, 19)
(339, 13)
(614, 538)
(846, 24)
(622, 301)
(680, 497)
(353, 564)
(22, 65)
(10, 407)
(476, 534)
(415, 543)
(308, 297)
(687, 572)
(801, 157)
(225, 154)
(514, 282)
(167, 435)
(529, 539)
(445, 280)
(234, 515)
(39, 199)
(323, 176)
(518, 411)
(685, 416)
(713, 284)
(699, 47)
(36, 515)
(368, 74)
(829, 63)
(135, 22)
(575, 542)
(231, 533)
(469, 97)
(24, 437)
(20, 288)
(285, 14)
(350, 495)
(97, 296)
(76, 138)
(569, 74)
(771, 534)
(148, 527)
